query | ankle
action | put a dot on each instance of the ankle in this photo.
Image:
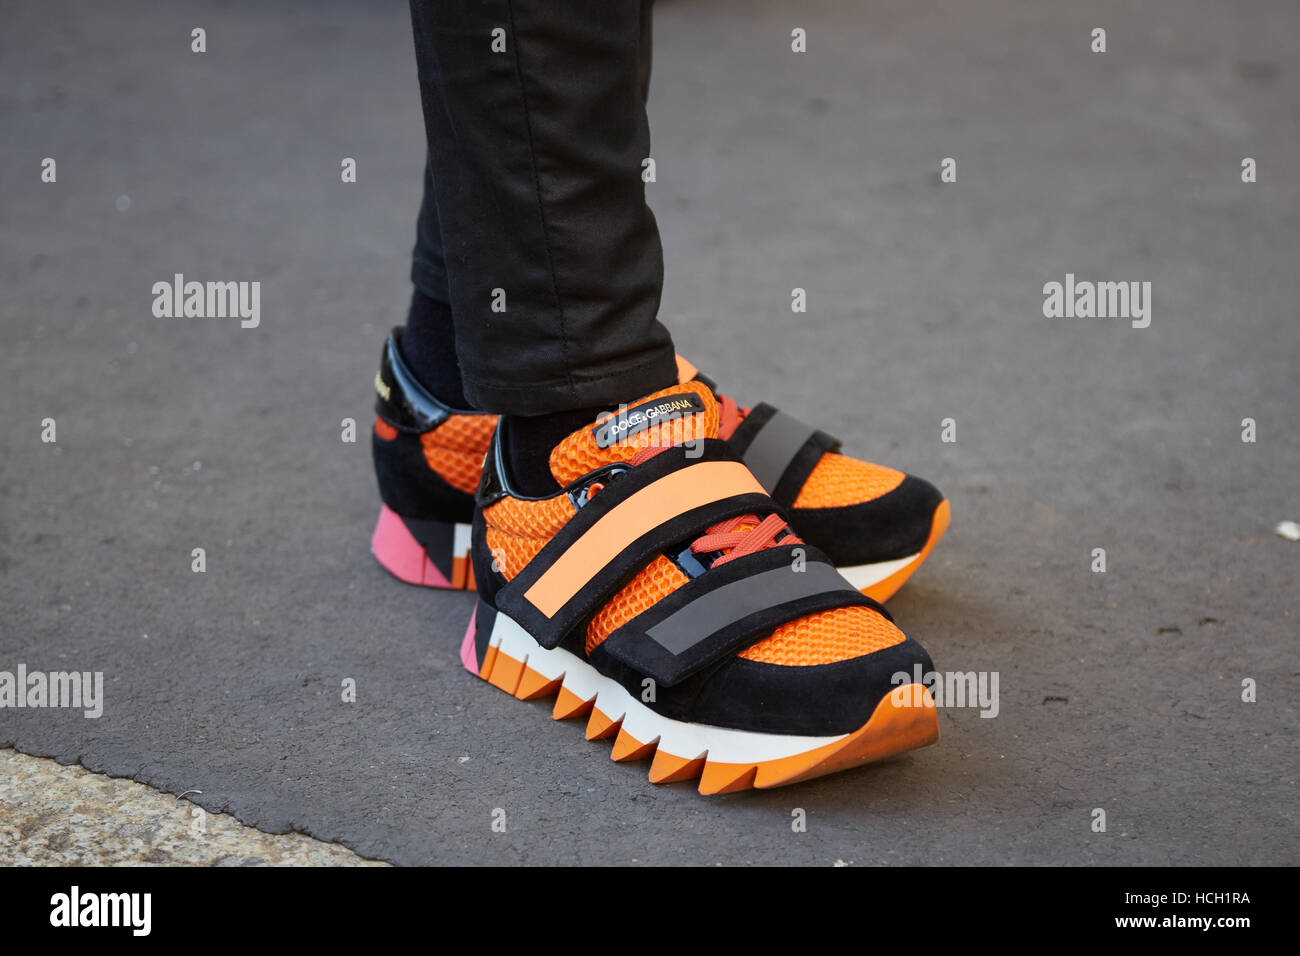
(527, 442)
(429, 347)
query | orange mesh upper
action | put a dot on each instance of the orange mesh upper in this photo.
(517, 530)
(826, 637)
(455, 449)
(579, 454)
(838, 480)
(652, 584)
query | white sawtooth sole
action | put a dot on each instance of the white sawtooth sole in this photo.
(865, 575)
(688, 741)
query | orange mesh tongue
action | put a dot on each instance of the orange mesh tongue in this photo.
(580, 453)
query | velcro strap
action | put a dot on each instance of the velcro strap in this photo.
(780, 450)
(670, 499)
(729, 608)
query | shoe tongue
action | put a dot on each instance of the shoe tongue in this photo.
(667, 417)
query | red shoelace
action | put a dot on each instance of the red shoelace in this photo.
(730, 415)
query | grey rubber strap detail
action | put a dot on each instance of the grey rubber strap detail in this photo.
(774, 447)
(711, 612)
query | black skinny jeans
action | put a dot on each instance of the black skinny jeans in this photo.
(534, 226)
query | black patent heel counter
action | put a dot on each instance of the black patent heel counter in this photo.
(407, 484)
(400, 399)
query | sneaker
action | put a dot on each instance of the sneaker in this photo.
(876, 524)
(428, 459)
(662, 595)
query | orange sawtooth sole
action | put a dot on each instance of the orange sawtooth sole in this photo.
(904, 720)
(886, 588)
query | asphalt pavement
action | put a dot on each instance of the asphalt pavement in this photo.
(1120, 691)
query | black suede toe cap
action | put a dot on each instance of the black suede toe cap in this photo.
(895, 525)
(816, 701)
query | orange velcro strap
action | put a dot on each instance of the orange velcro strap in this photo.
(654, 508)
(670, 496)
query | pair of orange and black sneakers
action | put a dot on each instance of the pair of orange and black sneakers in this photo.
(704, 586)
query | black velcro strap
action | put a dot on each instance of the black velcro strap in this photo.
(729, 608)
(550, 622)
(780, 450)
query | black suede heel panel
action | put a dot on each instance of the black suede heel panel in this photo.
(410, 487)
(487, 580)
(485, 618)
